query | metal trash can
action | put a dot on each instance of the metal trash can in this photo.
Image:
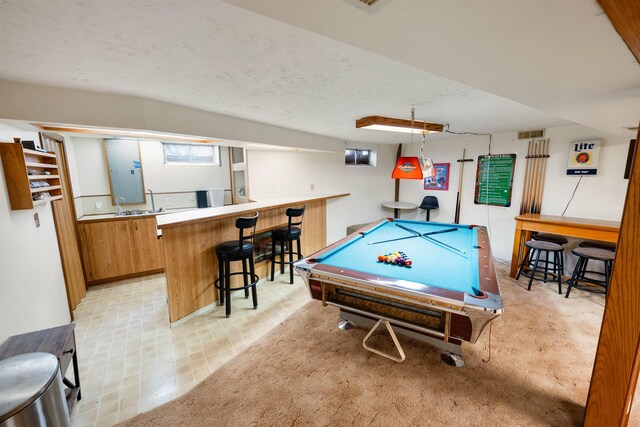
(31, 392)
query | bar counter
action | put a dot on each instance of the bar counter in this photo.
(189, 240)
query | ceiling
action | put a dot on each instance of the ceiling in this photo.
(318, 66)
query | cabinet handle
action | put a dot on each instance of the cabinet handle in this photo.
(70, 351)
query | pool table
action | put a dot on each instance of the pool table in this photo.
(448, 294)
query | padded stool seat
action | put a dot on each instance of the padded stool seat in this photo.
(579, 276)
(553, 238)
(600, 245)
(534, 249)
(234, 250)
(285, 234)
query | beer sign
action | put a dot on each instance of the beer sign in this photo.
(583, 157)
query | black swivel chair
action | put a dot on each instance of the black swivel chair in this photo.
(428, 204)
(237, 250)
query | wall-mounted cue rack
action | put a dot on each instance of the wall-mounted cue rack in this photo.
(535, 170)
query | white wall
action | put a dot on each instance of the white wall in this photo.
(280, 173)
(174, 185)
(598, 197)
(32, 290)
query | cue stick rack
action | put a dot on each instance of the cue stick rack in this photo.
(535, 171)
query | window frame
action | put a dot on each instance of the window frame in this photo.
(372, 154)
(215, 151)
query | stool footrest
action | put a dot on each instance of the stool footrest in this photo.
(255, 279)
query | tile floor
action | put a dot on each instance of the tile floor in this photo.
(131, 361)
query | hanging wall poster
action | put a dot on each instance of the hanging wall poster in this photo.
(440, 179)
(494, 179)
(583, 157)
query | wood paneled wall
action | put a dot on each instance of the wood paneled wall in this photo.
(191, 266)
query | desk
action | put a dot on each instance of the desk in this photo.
(591, 229)
(397, 206)
(446, 296)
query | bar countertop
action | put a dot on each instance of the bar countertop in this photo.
(200, 215)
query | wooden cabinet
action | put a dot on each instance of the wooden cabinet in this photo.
(119, 247)
(22, 168)
(147, 248)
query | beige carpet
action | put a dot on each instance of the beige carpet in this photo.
(308, 372)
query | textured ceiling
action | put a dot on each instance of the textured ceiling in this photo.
(221, 58)
(560, 56)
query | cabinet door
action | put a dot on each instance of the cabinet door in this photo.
(146, 245)
(106, 249)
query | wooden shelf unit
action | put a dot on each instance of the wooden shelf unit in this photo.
(17, 162)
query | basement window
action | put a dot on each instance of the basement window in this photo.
(360, 157)
(191, 154)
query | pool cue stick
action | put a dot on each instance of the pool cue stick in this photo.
(541, 159)
(412, 237)
(523, 201)
(451, 248)
(544, 171)
(462, 161)
(426, 236)
(535, 178)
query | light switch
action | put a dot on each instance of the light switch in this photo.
(99, 206)
(167, 201)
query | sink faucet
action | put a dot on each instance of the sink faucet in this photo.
(153, 203)
(118, 207)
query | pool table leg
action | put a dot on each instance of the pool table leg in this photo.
(345, 325)
(452, 359)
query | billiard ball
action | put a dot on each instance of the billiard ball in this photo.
(381, 258)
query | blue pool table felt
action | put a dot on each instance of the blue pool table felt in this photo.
(433, 264)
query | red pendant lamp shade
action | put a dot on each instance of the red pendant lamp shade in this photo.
(407, 168)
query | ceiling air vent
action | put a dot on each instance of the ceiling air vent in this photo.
(531, 134)
(370, 6)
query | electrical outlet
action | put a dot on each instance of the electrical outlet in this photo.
(99, 206)
(192, 198)
(167, 201)
(36, 219)
(313, 187)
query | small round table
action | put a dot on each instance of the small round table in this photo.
(397, 206)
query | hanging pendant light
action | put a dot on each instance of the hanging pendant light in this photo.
(408, 167)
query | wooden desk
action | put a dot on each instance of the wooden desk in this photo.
(591, 229)
(59, 341)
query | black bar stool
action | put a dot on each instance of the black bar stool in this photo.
(580, 271)
(287, 234)
(237, 250)
(534, 249)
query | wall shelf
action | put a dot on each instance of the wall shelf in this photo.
(21, 167)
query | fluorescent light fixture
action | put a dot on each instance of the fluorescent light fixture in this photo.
(124, 133)
(397, 125)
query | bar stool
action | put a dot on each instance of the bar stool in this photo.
(288, 234)
(534, 249)
(237, 250)
(580, 271)
(608, 246)
(553, 238)
(429, 203)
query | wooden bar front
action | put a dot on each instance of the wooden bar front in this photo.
(191, 266)
(590, 229)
